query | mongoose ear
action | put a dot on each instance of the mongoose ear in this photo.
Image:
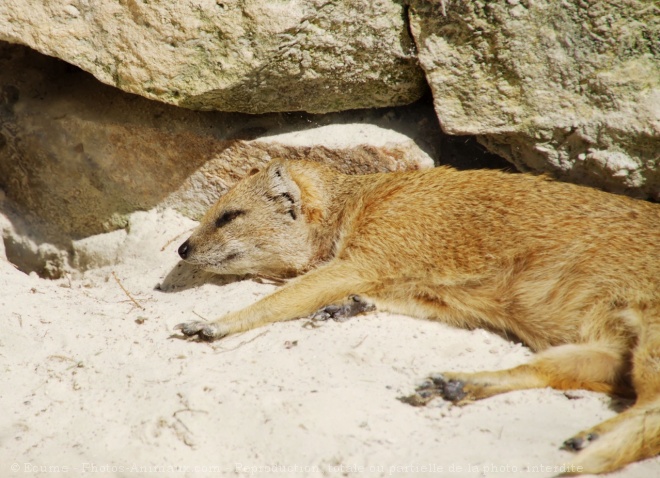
(253, 171)
(284, 189)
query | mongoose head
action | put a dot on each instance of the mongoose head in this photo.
(260, 227)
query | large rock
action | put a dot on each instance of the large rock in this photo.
(77, 156)
(354, 148)
(250, 56)
(571, 88)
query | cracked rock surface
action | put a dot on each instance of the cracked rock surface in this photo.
(568, 88)
(234, 55)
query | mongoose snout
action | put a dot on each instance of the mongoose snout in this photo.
(184, 249)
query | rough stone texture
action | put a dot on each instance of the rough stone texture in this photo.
(249, 56)
(77, 156)
(352, 148)
(566, 87)
(27, 254)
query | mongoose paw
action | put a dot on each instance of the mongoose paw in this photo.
(436, 386)
(353, 306)
(203, 330)
(579, 442)
(448, 388)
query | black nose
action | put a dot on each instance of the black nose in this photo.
(184, 249)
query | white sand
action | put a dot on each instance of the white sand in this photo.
(92, 383)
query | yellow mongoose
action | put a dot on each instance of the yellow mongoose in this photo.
(571, 271)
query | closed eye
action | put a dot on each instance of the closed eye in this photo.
(227, 217)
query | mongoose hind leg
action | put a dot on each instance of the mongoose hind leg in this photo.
(632, 435)
(586, 366)
(301, 297)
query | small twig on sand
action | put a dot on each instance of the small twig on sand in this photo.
(243, 343)
(61, 358)
(137, 304)
(186, 410)
(360, 342)
(200, 316)
(186, 436)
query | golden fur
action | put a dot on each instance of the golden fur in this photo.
(571, 271)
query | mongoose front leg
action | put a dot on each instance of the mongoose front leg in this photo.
(299, 298)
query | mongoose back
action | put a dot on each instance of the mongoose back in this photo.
(571, 271)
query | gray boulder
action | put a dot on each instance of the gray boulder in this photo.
(249, 56)
(571, 88)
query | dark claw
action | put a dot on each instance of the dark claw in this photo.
(416, 400)
(425, 385)
(321, 316)
(426, 394)
(579, 443)
(436, 386)
(332, 310)
(202, 330)
(453, 390)
(359, 306)
(438, 380)
(341, 312)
